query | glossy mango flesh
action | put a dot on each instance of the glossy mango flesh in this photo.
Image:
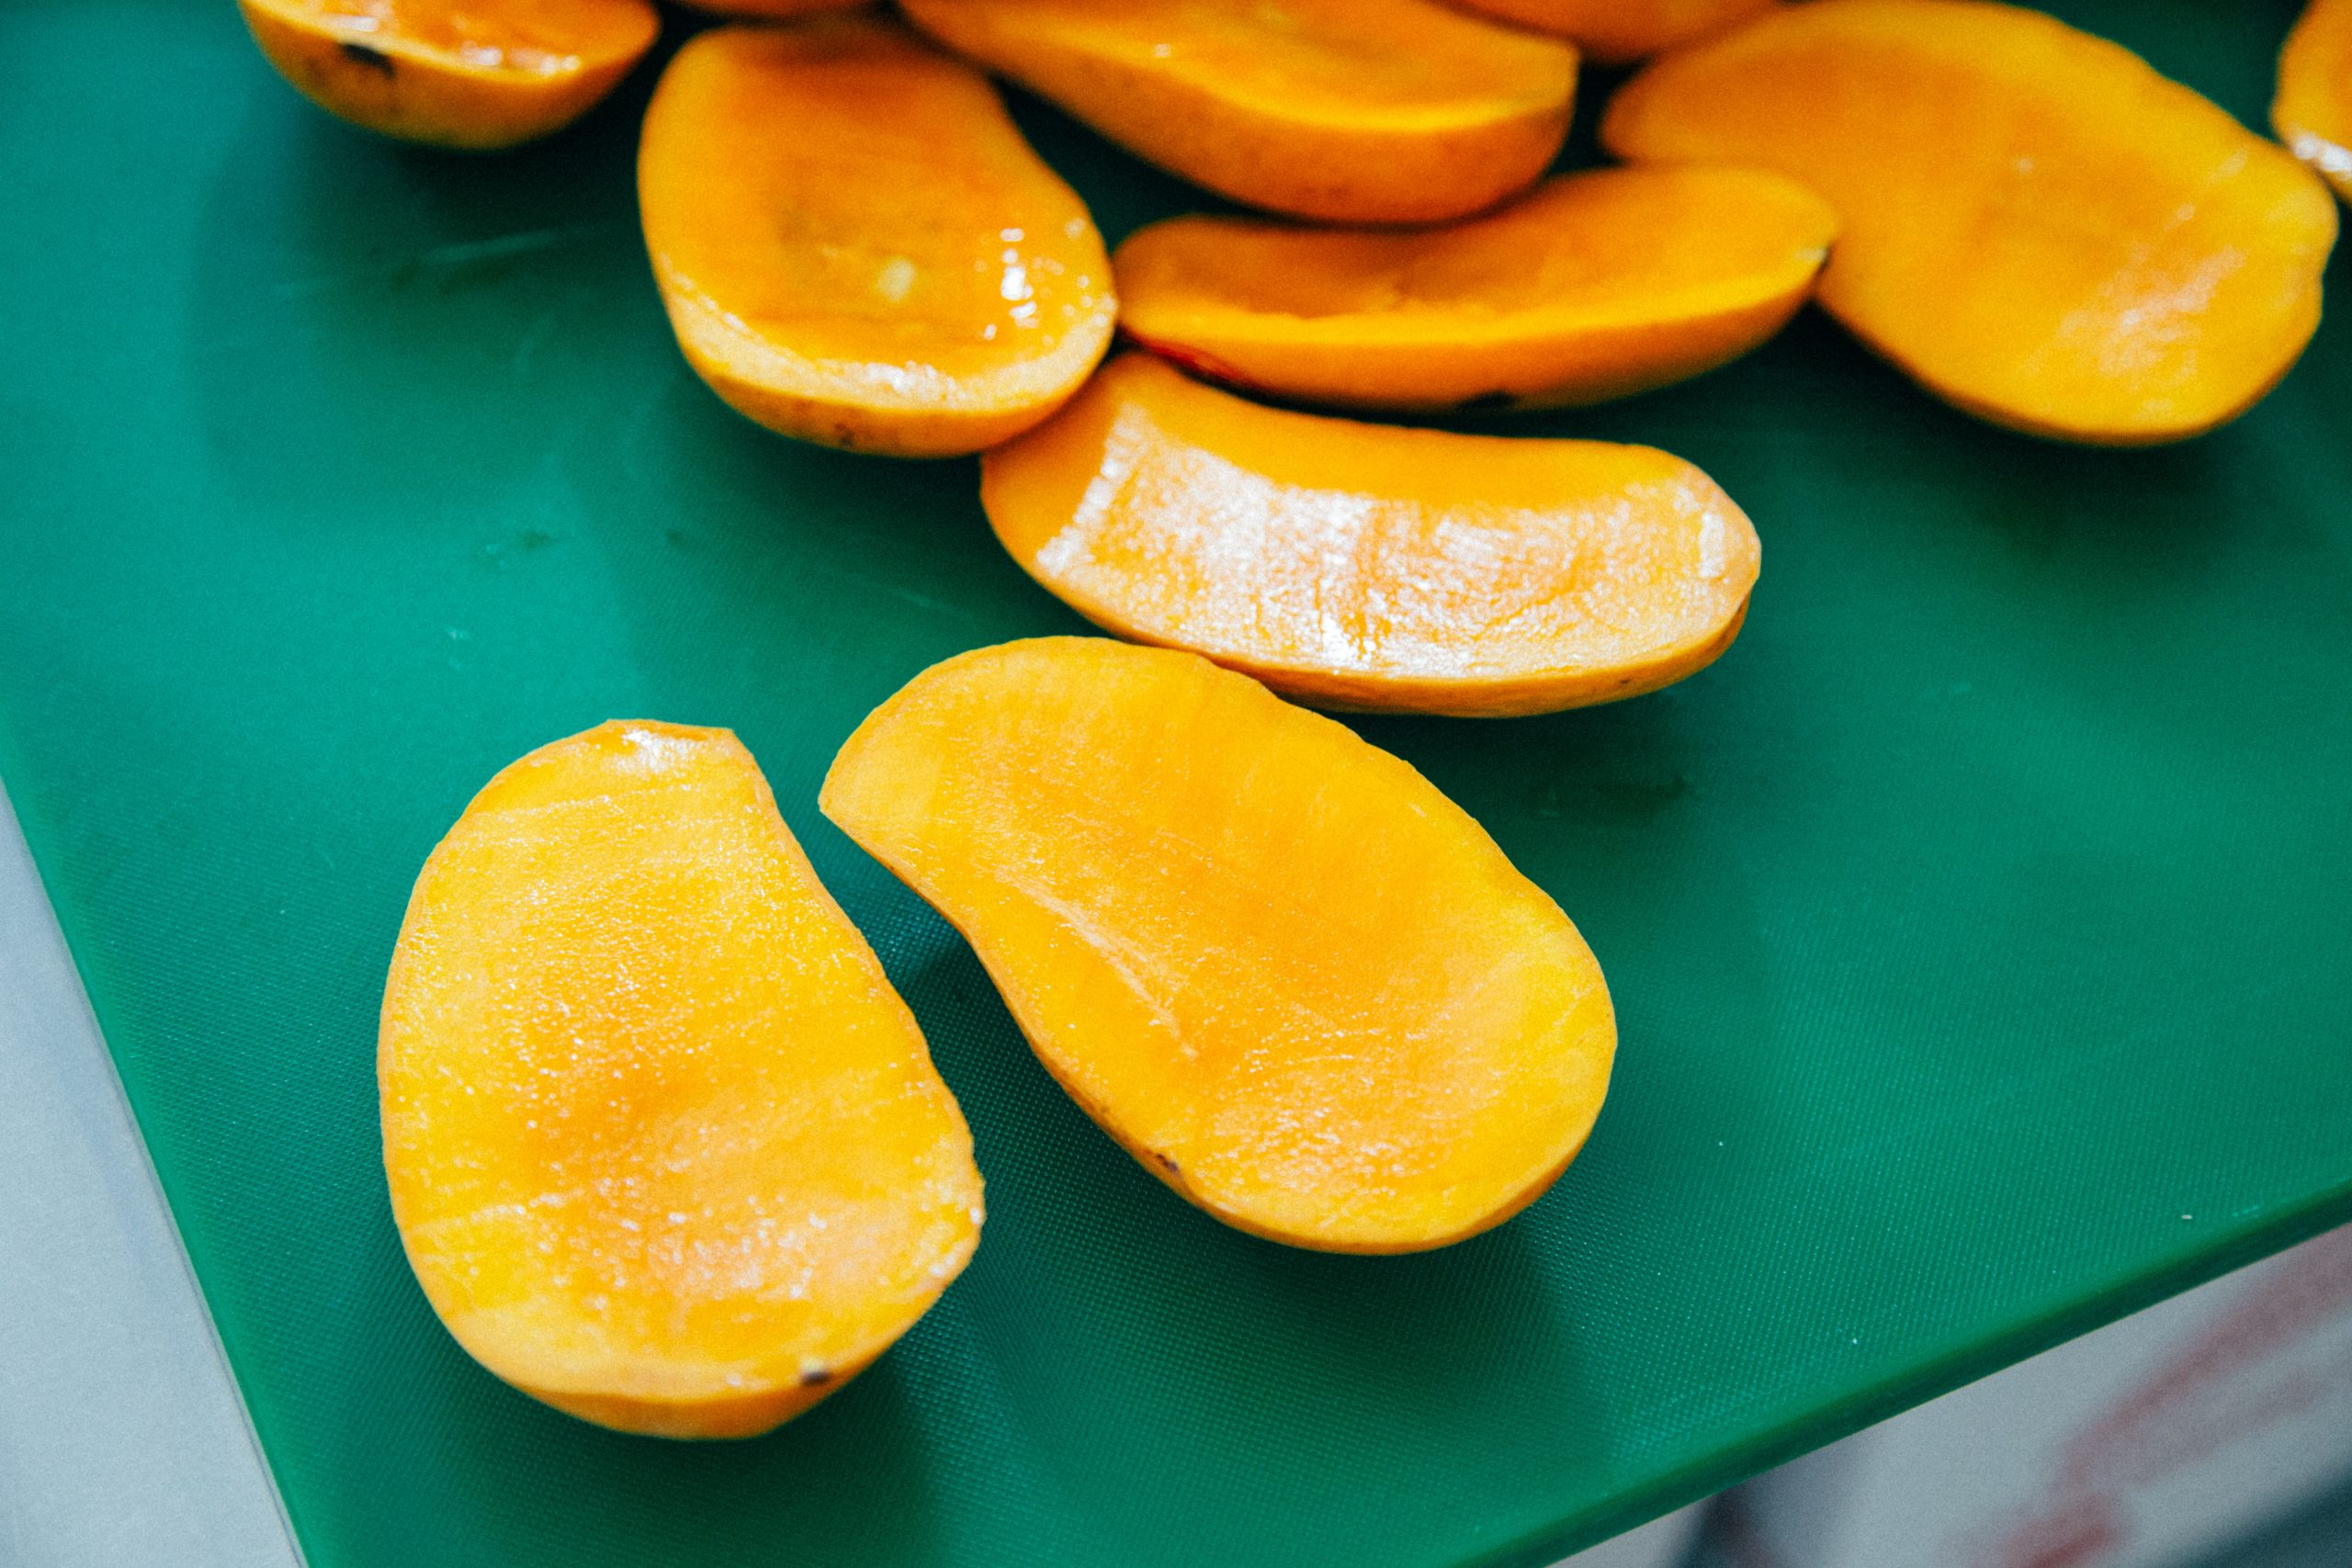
(771, 10)
(1615, 31)
(1366, 566)
(665, 1149)
(2038, 226)
(856, 246)
(1593, 286)
(1288, 975)
(476, 74)
(2313, 111)
(1355, 111)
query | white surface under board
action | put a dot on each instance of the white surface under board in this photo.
(123, 1442)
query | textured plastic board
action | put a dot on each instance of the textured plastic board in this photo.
(1978, 925)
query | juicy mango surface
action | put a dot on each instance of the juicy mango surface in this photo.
(1352, 111)
(1592, 286)
(1367, 566)
(2038, 226)
(1282, 969)
(856, 245)
(472, 73)
(665, 1149)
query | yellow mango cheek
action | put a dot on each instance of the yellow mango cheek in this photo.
(1366, 566)
(1593, 286)
(2313, 111)
(665, 1149)
(856, 247)
(2037, 226)
(1615, 31)
(1276, 964)
(1350, 111)
(470, 74)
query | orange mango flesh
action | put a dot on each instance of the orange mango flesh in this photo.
(772, 10)
(2313, 110)
(1615, 31)
(1355, 111)
(856, 246)
(2037, 225)
(1294, 980)
(474, 74)
(1593, 286)
(1364, 566)
(665, 1149)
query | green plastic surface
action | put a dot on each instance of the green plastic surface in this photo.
(1980, 927)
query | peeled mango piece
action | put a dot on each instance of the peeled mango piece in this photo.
(856, 246)
(473, 73)
(2312, 112)
(1611, 32)
(1289, 976)
(1367, 566)
(665, 1149)
(1352, 111)
(2037, 226)
(1592, 286)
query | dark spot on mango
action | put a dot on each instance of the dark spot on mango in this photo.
(1167, 1163)
(368, 55)
(816, 1375)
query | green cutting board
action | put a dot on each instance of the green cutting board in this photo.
(1981, 926)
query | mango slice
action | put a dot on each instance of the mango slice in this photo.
(2038, 226)
(856, 246)
(1615, 31)
(473, 73)
(665, 1149)
(1592, 286)
(772, 10)
(1363, 565)
(2312, 112)
(1357, 111)
(1299, 985)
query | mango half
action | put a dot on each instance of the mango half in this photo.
(446, 72)
(665, 1149)
(2038, 227)
(1289, 976)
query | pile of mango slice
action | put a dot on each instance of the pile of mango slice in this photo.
(665, 1149)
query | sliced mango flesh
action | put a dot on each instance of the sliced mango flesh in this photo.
(1593, 286)
(1357, 111)
(771, 10)
(2037, 225)
(1293, 980)
(2312, 112)
(1363, 565)
(475, 73)
(1615, 31)
(665, 1149)
(856, 246)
